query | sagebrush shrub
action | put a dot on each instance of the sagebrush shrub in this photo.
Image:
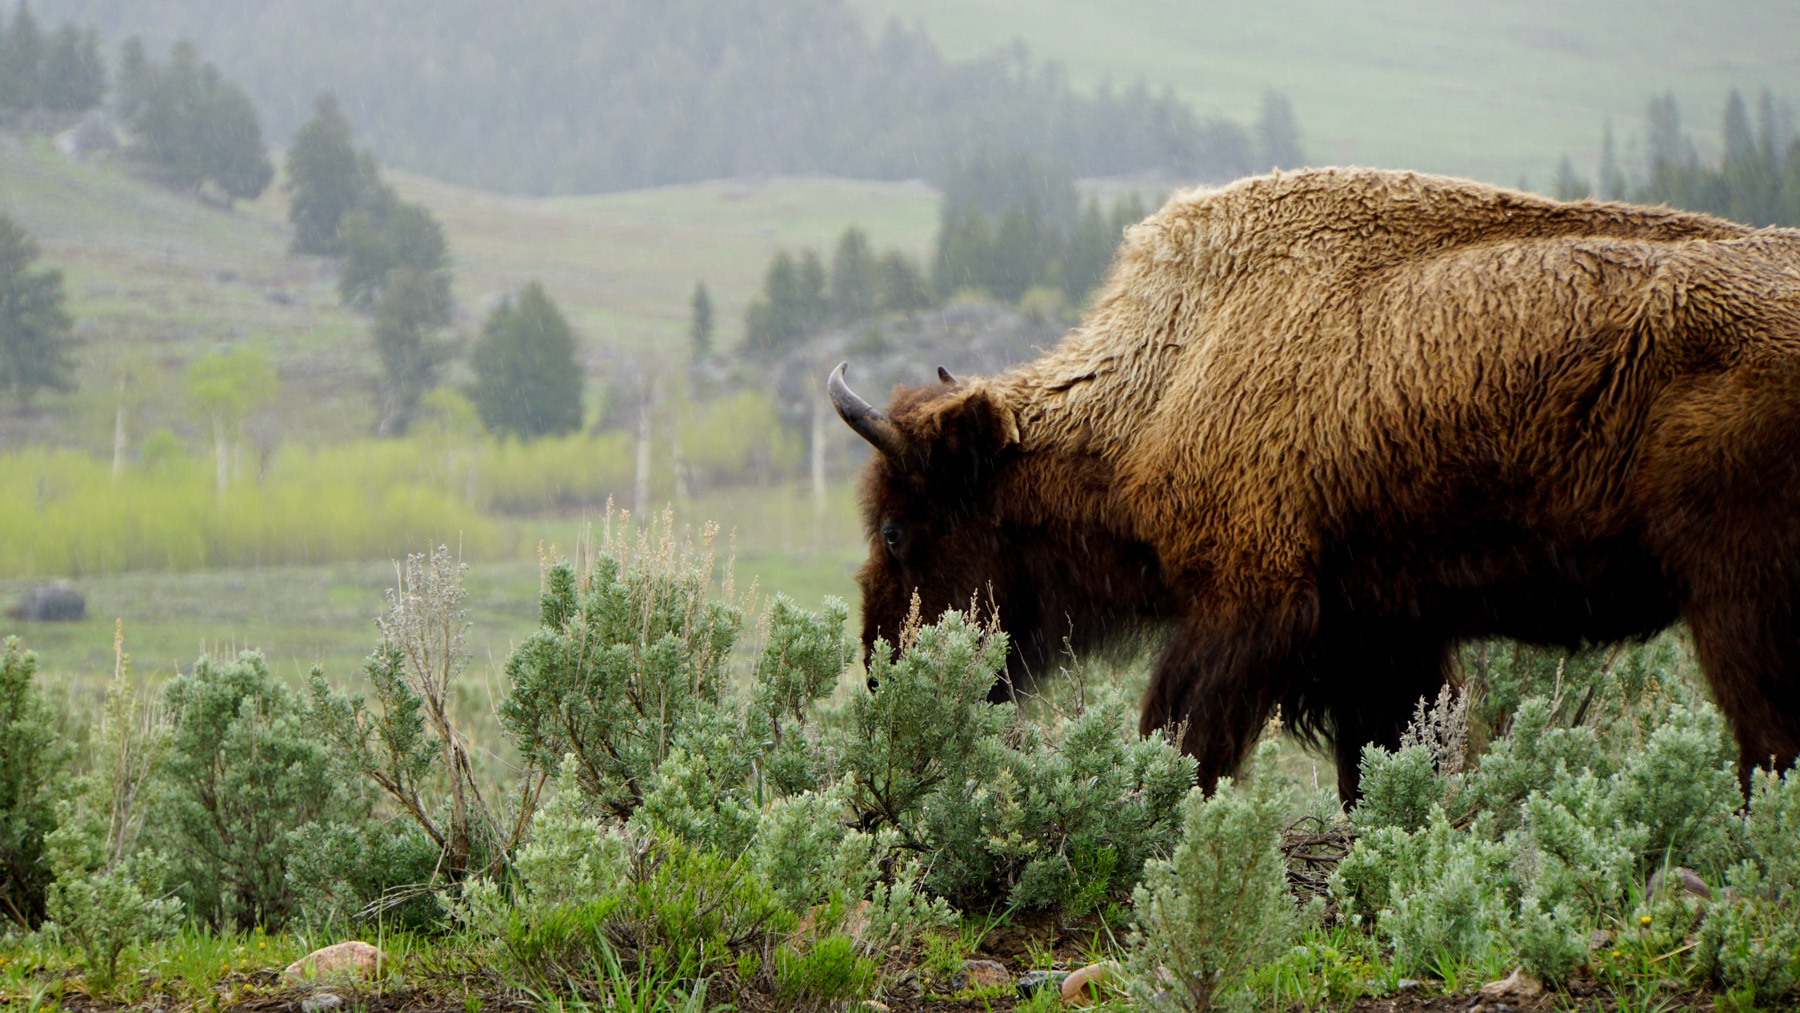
(109, 893)
(1219, 904)
(244, 772)
(32, 758)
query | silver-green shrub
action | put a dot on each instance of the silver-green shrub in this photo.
(1218, 906)
(243, 772)
(32, 757)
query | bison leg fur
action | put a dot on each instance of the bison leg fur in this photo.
(1751, 657)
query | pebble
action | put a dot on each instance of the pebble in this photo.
(1083, 986)
(354, 959)
(321, 1001)
(1032, 981)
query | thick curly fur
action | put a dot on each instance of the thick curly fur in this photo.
(1320, 426)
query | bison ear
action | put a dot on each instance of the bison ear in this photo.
(976, 434)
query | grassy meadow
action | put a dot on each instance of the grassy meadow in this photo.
(1492, 91)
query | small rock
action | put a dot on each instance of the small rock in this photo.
(1031, 981)
(873, 1007)
(1083, 986)
(1405, 983)
(353, 959)
(984, 974)
(1599, 939)
(1518, 984)
(1687, 880)
(320, 1002)
(55, 602)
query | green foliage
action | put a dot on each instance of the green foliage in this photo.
(1218, 906)
(67, 514)
(1757, 179)
(832, 972)
(411, 308)
(792, 307)
(630, 656)
(584, 888)
(194, 125)
(243, 774)
(1751, 943)
(369, 871)
(1057, 819)
(34, 326)
(32, 757)
(324, 177)
(1278, 133)
(21, 60)
(108, 893)
(855, 279)
(700, 322)
(527, 382)
(383, 235)
(74, 73)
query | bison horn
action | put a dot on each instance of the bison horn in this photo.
(945, 378)
(869, 421)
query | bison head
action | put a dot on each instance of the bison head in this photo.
(957, 513)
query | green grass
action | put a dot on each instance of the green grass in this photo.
(1492, 91)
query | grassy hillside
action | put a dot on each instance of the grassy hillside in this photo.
(156, 279)
(1487, 90)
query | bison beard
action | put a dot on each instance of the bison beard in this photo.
(1322, 426)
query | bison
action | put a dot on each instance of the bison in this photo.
(1321, 426)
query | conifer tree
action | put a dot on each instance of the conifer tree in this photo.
(134, 80)
(901, 285)
(700, 322)
(527, 382)
(854, 279)
(21, 61)
(413, 305)
(193, 124)
(1612, 179)
(74, 76)
(1277, 133)
(324, 178)
(34, 326)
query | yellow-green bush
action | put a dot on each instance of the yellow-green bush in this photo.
(64, 512)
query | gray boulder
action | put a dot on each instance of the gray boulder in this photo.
(57, 601)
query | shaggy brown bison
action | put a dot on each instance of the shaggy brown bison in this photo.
(1321, 426)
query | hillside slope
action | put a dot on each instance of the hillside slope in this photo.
(1485, 90)
(156, 279)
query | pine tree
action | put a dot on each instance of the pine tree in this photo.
(134, 80)
(855, 278)
(34, 326)
(323, 177)
(700, 322)
(1612, 179)
(396, 234)
(901, 285)
(1568, 185)
(1740, 143)
(413, 305)
(192, 124)
(527, 382)
(234, 155)
(74, 75)
(1277, 134)
(21, 61)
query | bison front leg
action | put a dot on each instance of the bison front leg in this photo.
(1750, 652)
(1218, 681)
(1368, 680)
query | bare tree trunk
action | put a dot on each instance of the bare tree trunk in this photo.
(818, 469)
(640, 494)
(119, 436)
(221, 453)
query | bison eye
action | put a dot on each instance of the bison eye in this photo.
(894, 537)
